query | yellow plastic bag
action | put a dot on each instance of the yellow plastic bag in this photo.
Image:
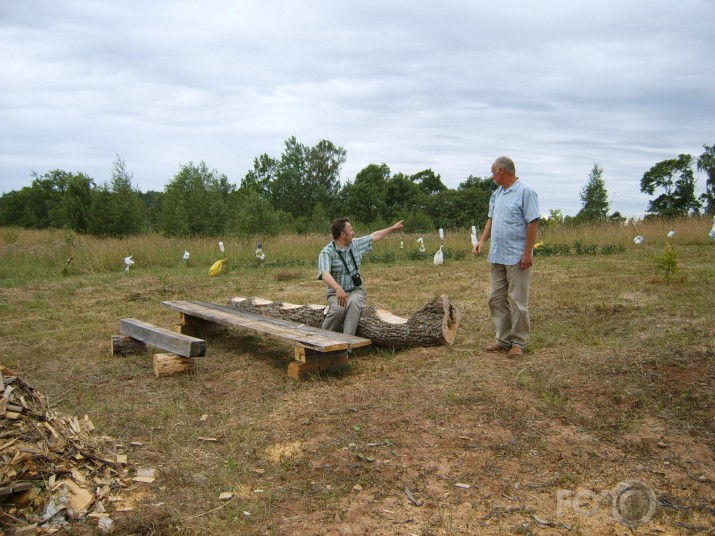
(216, 268)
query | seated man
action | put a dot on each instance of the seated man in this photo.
(339, 267)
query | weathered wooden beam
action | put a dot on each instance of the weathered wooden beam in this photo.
(178, 343)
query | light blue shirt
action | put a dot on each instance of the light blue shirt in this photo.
(511, 211)
(329, 261)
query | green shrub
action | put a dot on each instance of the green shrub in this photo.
(584, 250)
(610, 249)
(11, 236)
(547, 250)
(416, 255)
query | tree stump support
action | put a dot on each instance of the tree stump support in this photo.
(168, 364)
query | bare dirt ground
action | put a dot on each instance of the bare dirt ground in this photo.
(618, 386)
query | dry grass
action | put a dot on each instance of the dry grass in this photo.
(619, 383)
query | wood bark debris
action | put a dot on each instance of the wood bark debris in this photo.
(53, 467)
(436, 324)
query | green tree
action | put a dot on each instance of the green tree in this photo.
(195, 202)
(676, 178)
(151, 201)
(365, 199)
(56, 199)
(252, 214)
(44, 199)
(403, 196)
(429, 182)
(466, 206)
(594, 198)
(14, 208)
(76, 202)
(302, 177)
(259, 179)
(706, 163)
(556, 216)
(117, 208)
(617, 217)
(325, 161)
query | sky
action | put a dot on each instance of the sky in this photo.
(557, 85)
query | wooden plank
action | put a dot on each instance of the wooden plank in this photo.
(183, 345)
(282, 330)
(352, 340)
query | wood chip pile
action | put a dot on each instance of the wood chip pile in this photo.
(53, 468)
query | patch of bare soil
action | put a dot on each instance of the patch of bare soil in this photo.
(488, 463)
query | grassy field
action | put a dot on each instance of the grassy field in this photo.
(618, 385)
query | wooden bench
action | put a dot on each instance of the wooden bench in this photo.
(315, 349)
(136, 334)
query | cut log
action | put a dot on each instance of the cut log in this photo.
(168, 364)
(123, 345)
(436, 324)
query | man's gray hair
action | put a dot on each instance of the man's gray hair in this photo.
(506, 163)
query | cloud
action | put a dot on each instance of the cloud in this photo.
(557, 85)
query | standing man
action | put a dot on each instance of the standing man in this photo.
(513, 225)
(339, 267)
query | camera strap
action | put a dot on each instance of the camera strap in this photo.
(343, 259)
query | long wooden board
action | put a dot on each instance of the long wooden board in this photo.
(283, 330)
(177, 343)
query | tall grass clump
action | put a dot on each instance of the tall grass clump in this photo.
(690, 231)
(27, 254)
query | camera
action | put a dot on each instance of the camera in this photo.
(357, 280)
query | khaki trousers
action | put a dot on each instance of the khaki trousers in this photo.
(509, 304)
(346, 318)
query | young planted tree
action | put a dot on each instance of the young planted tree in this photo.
(594, 198)
(706, 163)
(675, 177)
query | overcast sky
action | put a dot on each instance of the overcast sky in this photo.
(558, 85)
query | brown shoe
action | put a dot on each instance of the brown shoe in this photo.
(495, 347)
(515, 351)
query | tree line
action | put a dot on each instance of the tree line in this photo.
(300, 191)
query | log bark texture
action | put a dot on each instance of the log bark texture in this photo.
(436, 324)
(124, 345)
